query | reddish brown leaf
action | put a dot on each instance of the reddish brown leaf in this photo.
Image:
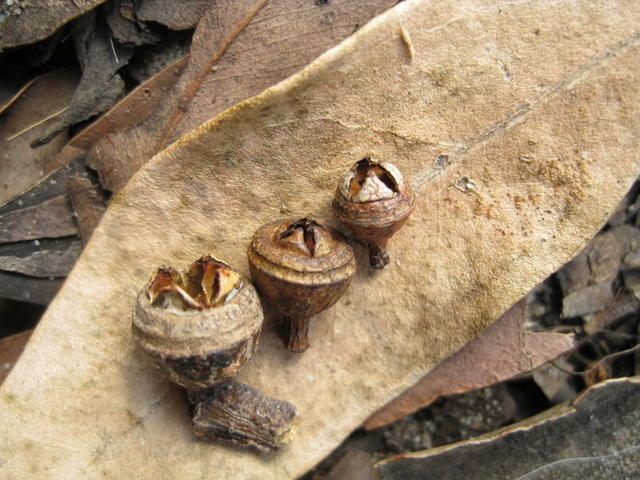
(501, 351)
(10, 349)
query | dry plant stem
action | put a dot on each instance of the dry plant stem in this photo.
(200, 326)
(301, 267)
(298, 333)
(240, 415)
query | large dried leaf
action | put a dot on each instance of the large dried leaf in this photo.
(20, 165)
(501, 351)
(486, 84)
(238, 50)
(594, 437)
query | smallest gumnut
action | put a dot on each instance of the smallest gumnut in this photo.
(200, 326)
(301, 267)
(374, 201)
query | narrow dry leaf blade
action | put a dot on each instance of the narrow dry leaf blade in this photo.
(130, 111)
(461, 260)
(595, 434)
(50, 219)
(53, 258)
(501, 351)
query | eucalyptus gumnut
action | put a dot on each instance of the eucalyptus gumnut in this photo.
(301, 267)
(374, 201)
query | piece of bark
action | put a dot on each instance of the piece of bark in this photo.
(175, 16)
(425, 79)
(575, 274)
(501, 351)
(588, 434)
(20, 165)
(42, 258)
(89, 204)
(10, 349)
(50, 219)
(286, 33)
(22, 23)
(553, 378)
(100, 86)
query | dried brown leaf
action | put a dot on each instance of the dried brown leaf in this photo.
(20, 165)
(131, 110)
(595, 437)
(100, 86)
(460, 261)
(501, 351)
(50, 219)
(22, 23)
(49, 259)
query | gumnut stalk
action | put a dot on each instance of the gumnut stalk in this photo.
(374, 201)
(200, 326)
(301, 267)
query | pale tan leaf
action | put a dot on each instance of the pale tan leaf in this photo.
(484, 83)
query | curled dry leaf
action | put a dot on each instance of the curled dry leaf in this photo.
(483, 83)
(22, 23)
(22, 121)
(501, 351)
(100, 86)
(596, 435)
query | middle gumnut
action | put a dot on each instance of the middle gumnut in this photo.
(300, 267)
